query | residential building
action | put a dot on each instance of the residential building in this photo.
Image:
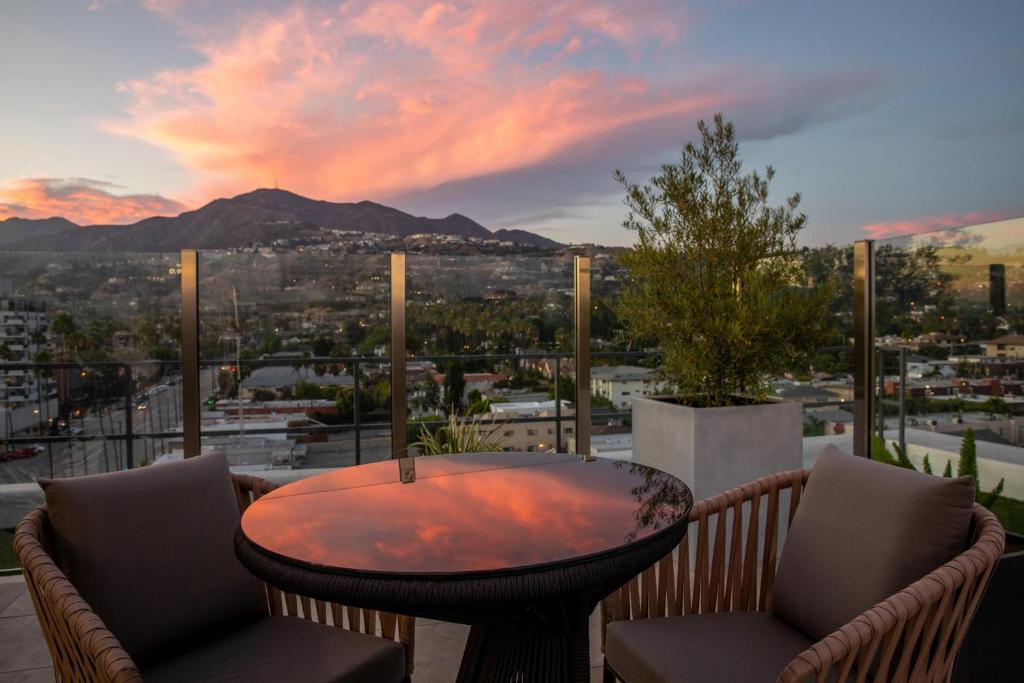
(277, 379)
(1008, 346)
(24, 327)
(620, 383)
(529, 436)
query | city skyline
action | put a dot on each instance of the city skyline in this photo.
(511, 113)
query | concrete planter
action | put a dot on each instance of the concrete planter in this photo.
(715, 449)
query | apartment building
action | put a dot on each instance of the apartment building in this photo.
(619, 383)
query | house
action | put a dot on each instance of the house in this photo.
(278, 378)
(1008, 346)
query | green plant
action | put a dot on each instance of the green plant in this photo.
(459, 435)
(714, 277)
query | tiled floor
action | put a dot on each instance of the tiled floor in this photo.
(24, 657)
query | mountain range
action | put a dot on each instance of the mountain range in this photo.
(261, 216)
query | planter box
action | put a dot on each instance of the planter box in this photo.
(715, 449)
(992, 649)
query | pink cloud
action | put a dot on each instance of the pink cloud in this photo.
(921, 224)
(81, 200)
(376, 98)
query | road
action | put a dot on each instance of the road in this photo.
(162, 414)
(94, 455)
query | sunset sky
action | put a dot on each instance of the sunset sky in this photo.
(888, 117)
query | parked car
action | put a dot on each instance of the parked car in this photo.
(75, 431)
(18, 454)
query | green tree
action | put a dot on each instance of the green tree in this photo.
(713, 276)
(927, 465)
(454, 386)
(948, 472)
(968, 465)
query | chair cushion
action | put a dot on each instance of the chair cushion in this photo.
(152, 552)
(863, 531)
(286, 649)
(703, 648)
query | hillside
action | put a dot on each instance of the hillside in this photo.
(259, 216)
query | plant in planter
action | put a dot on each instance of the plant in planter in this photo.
(715, 282)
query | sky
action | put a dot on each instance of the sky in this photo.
(888, 118)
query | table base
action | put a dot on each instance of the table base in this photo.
(500, 655)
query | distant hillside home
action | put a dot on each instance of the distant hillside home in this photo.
(1009, 346)
(277, 378)
(620, 383)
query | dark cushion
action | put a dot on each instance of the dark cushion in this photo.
(286, 649)
(703, 648)
(152, 552)
(863, 531)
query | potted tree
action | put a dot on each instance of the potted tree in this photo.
(715, 282)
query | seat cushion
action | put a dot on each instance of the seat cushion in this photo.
(152, 552)
(703, 648)
(863, 531)
(286, 649)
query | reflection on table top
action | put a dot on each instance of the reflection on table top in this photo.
(465, 513)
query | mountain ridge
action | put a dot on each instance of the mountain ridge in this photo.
(262, 215)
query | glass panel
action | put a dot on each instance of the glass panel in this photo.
(951, 320)
(285, 336)
(92, 347)
(487, 336)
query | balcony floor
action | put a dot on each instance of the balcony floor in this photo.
(24, 657)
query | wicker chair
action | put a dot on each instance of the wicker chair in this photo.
(913, 635)
(82, 647)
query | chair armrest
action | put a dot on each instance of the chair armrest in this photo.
(82, 647)
(915, 634)
(734, 570)
(384, 624)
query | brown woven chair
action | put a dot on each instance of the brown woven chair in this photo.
(913, 635)
(84, 649)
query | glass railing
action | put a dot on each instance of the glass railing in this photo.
(950, 375)
(295, 350)
(488, 338)
(89, 370)
(295, 358)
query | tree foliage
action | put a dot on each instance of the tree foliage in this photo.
(713, 275)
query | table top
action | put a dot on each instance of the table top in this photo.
(469, 513)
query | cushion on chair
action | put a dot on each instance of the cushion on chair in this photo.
(703, 648)
(863, 531)
(286, 649)
(152, 552)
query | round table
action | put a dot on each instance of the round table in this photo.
(520, 546)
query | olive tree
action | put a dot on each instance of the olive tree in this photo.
(714, 276)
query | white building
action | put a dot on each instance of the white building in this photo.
(528, 436)
(619, 383)
(24, 330)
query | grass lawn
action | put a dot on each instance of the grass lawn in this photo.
(1011, 513)
(7, 559)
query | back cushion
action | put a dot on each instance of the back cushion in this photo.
(152, 551)
(863, 531)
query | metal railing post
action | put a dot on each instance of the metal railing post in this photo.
(903, 401)
(190, 399)
(558, 409)
(129, 437)
(863, 345)
(398, 377)
(356, 371)
(581, 287)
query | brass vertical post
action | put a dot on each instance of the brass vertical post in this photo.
(190, 400)
(398, 375)
(581, 286)
(863, 345)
